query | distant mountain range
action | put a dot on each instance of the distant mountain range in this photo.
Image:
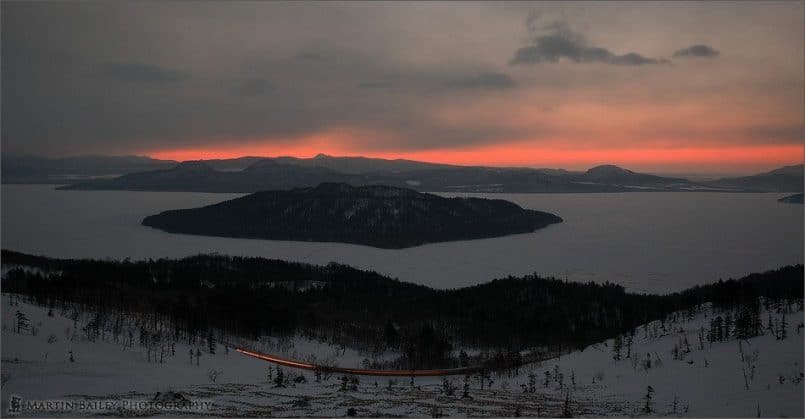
(251, 174)
(34, 169)
(784, 179)
(380, 216)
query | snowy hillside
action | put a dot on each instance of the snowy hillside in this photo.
(706, 379)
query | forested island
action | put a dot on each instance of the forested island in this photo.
(379, 216)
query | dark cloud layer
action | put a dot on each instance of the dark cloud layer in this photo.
(141, 73)
(311, 56)
(255, 87)
(121, 77)
(375, 85)
(484, 81)
(697, 51)
(560, 42)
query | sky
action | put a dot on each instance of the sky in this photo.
(671, 87)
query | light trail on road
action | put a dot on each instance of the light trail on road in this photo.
(357, 371)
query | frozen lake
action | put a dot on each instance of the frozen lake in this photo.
(653, 242)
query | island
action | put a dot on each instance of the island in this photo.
(379, 216)
(792, 199)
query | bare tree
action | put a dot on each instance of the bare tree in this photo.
(213, 374)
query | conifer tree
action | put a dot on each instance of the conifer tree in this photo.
(648, 397)
(22, 321)
(211, 343)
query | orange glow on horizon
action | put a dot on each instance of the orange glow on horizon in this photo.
(706, 159)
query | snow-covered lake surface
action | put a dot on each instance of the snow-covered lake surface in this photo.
(650, 242)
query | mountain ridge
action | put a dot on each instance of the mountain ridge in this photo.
(287, 172)
(284, 172)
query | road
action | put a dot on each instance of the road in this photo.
(357, 371)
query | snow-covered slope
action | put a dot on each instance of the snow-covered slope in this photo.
(704, 382)
(707, 381)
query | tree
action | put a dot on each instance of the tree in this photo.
(629, 340)
(747, 363)
(701, 338)
(213, 374)
(211, 342)
(390, 334)
(143, 336)
(466, 393)
(485, 377)
(717, 329)
(463, 359)
(617, 346)
(198, 356)
(728, 325)
(783, 328)
(648, 397)
(448, 388)
(279, 378)
(566, 411)
(22, 321)
(747, 321)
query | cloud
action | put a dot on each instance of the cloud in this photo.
(142, 73)
(697, 51)
(560, 42)
(309, 56)
(793, 133)
(228, 75)
(497, 81)
(375, 85)
(255, 87)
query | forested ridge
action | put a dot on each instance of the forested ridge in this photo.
(251, 297)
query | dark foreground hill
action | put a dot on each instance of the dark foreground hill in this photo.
(380, 216)
(253, 297)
